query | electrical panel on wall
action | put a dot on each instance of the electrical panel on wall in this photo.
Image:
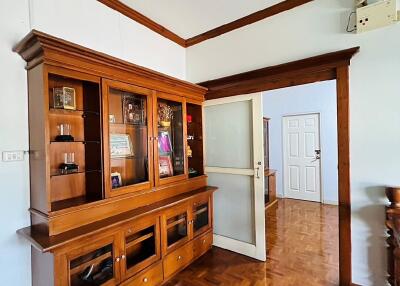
(376, 15)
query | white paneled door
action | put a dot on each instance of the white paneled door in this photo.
(302, 154)
(234, 163)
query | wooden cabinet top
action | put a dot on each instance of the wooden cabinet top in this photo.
(46, 243)
(38, 47)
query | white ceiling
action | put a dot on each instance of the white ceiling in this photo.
(188, 18)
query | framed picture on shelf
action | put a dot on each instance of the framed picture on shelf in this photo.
(165, 166)
(116, 180)
(164, 142)
(133, 110)
(120, 145)
(64, 98)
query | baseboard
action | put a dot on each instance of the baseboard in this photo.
(328, 202)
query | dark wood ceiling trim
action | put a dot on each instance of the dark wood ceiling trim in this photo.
(318, 68)
(140, 18)
(247, 20)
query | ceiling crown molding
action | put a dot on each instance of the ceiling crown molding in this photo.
(244, 21)
(145, 21)
(247, 20)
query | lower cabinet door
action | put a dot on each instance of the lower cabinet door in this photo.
(202, 244)
(94, 264)
(178, 259)
(151, 276)
(141, 246)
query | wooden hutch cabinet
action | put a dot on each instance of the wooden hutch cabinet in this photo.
(118, 190)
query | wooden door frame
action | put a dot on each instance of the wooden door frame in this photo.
(331, 66)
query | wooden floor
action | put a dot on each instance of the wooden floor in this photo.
(303, 249)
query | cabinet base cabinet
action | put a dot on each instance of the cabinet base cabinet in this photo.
(147, 249)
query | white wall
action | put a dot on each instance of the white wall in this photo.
(88, 23)
(317, 28)
(15, 262)
(310, 98)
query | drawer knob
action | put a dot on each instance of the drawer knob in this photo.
(129, 230)
(123, 257)
(179, 257)
(117, 259)
(145, 280)
(204, 241)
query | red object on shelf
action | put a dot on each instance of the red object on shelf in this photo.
(189, 118)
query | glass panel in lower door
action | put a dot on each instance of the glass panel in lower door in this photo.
(93, 268)
(177, 228)
(140, 246)
(200, 215)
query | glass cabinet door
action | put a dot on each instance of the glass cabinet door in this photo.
(94, 266)
(142, 246)
(176, 227)
(128, 121)
(201, 216)
(170, 126)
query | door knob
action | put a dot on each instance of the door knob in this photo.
(317, 155)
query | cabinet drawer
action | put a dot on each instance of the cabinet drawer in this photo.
(149, 277)
(178, 259)
(202, 244)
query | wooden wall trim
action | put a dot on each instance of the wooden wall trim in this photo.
(145, 21)
(244, 21)
(324, 67)
(343, 129)
(247, 20)
(317, 68)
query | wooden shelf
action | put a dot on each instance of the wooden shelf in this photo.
(59, 173)
(63, 204)
(201, 211)
(139, 240)
(77, 141)
(135, 126)
(77, 112)
(83, 266)
(172, 224)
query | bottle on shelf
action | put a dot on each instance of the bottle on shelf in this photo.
(69, 165)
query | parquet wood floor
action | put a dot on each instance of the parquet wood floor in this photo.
(303, 249)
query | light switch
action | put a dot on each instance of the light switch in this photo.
(12, 156)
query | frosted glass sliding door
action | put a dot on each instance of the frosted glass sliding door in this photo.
(234, 153)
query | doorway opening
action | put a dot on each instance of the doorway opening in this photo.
(301, 149)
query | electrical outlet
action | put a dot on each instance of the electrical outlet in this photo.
(12, 156)
(377, 15)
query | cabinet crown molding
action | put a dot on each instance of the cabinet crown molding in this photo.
(38, 47)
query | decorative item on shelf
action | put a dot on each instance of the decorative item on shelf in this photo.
(165, 114)
(189, 152)
(190, 137)
(120, 145)
(189, 118)
(116, 180)
(165, 166)
(64, 98)
(111, 118)
(192, 173)
(133, 110)
(64, 135)
(164, 142)
(69, 165)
